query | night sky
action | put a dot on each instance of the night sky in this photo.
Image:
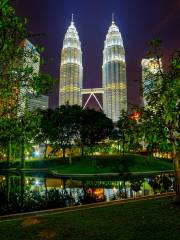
(138, 20)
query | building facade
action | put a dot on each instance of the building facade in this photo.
(71, 69)
(31, 59)
(114, 74)
(28, 101)
(151, 68)
(40, 102)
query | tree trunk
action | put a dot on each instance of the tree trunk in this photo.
(45, 151)
(46, 191)
(70, 156)
(123, 148)
(22, 189)
(177, 175)
(64, 152)
(22, 155)
(8, 155)
(8, 188)
(118, 147)
(82, 151)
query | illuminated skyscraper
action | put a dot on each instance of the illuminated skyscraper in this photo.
(151, 76)
(31, 59)
(71, 70)
(114, 74)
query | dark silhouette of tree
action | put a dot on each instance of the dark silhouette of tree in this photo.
(129, 132)
(46, 130)
(66, 120)
(94, 127)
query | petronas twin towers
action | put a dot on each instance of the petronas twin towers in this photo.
(114, 87)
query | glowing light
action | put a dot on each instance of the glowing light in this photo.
(37, 153)
(135, 116)
(37, 183)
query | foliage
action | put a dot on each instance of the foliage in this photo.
(69, 125)
(129, 132)
(19, 76)
(46, 129)
(94, 127)
(160, 117)
(136, 184)
(18, 60)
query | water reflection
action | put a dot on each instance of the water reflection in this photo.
(19, 193)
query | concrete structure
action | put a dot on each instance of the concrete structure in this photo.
(71, 70)
(114, 74)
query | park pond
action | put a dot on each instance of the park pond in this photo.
(32, 191)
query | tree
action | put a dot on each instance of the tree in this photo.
(25, 131)
(128, 132)
(94, 127)
(161, 115)
(47, 128)
(66, 120)
(17, 74)
(17, 63)
(7, 137)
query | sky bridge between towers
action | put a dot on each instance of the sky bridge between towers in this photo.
(92, 94)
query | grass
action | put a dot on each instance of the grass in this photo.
(151, 220)
(107, 164)
(101, 164)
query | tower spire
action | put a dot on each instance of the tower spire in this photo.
(72, 18)
(112, 17)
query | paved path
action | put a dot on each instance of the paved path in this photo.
(74, 175)
(80, 208)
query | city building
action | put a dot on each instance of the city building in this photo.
(28, 99)
(31, 59)
(114, 86)
(40, 102)
(71, 69)
(151, 69)
(114, 74)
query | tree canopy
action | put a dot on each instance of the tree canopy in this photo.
(160, 117)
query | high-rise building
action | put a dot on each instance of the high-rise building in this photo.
(114, 74)
(40, 102)
(71, 70)
(28, 99)
(31, 59)
(151, 68)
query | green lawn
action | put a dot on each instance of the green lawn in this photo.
(102, 164)
(106, 164)
(151, 220)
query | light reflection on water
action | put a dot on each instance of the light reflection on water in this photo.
(20, 192)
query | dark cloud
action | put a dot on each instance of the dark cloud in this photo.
(172, 15)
